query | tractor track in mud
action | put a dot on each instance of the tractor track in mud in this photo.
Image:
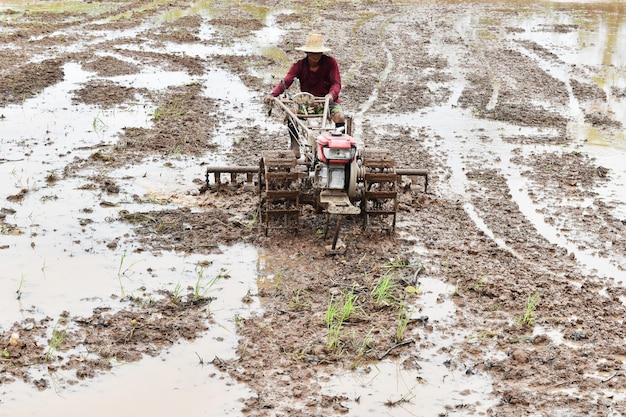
(396, 58)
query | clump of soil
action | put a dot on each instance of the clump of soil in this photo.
(137, 326)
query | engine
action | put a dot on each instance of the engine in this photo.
(334, 153)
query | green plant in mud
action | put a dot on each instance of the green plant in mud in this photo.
(124, 271)
(362, 346)
(240, 321)
(199, 289)
(278, 279)
(301, 354)
(456, 291)
(203, 285)
(479, 284)
(58, 336)
(333, 324)
(170, 110)
(383, 292)
(404, 317)
(255, 218)
(98, 124)
(396, 263)
(531, 305)
(297, 301)
(337, 312)
(177, 293)
(484, 334)
(19, 181)
(174, 150)
(33, 225)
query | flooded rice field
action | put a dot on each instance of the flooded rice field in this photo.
(131, 286)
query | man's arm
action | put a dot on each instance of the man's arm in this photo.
(293, 73)
(335, 79)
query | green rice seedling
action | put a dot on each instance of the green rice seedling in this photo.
(297, 302)
(157, 114)
(337, 312)
(198, 289)
(120, 273)
(363, 345)
(174, 150)
(531, 305)
(279, 281)
(396, 263)
(455, 291)
(349, 305)
(333, 323)
(170, 110)
(204, 286)
(479, 284)
(123, 271)
(484, 334)
(58, 336)
(255, 218)
(404, 317)
(383, 291)
(98, 124)
(33, 225)
(302, 354)
(333, 340)
(177, 293)
(331, 311)
(239, 321)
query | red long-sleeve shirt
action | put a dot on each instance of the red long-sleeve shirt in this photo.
(319, 83)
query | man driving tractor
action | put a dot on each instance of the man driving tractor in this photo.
(319, 75)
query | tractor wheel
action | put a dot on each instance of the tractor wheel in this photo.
(279, 190)
(379, 203)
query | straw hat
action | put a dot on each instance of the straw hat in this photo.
(314, 43)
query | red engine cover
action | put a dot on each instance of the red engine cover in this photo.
(333, 141)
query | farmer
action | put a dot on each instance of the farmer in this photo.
(318, 74)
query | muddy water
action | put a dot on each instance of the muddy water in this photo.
(180, 380)
(45, 133)
(599, 51)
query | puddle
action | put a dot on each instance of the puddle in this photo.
(171, 384)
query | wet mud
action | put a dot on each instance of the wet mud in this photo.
(546, 329)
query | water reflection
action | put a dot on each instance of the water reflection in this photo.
(587, 40)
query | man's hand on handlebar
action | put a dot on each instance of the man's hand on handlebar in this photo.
(329, 97)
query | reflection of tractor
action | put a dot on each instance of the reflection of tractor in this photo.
(325, 169)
